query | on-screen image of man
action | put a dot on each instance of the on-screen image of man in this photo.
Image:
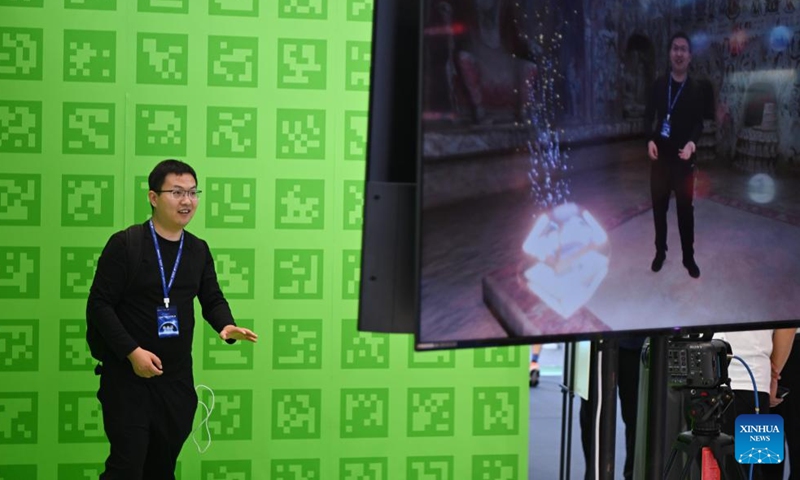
(675, 115)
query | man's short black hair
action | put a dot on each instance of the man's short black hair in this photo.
(156, 179)
(682, 35)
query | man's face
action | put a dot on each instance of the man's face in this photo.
(170, 211)
(680, 55)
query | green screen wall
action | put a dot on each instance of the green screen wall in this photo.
(267, 99)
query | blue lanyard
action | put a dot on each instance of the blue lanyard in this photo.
(164, 285)
(671, 103)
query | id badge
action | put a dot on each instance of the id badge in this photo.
(665, 128)
(167, 322)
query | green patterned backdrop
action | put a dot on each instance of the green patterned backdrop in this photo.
(267, 99)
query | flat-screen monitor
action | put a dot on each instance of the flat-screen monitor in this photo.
(536, 220)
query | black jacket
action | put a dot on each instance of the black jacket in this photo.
(123, 309)
(686, 120)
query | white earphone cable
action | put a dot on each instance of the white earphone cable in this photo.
(208, 411)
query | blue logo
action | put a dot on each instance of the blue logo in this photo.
(759, 438)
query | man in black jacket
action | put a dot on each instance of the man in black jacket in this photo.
(676, 104)
(141, 313)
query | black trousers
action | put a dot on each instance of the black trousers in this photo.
(667, 177)
(789, 409)
(629, 361)
(146, 423)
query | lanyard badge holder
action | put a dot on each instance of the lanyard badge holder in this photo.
(167, 317)
(665, 125)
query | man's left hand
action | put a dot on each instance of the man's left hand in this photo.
(232, 332)
(686, 152)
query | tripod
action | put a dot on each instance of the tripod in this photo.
(707, 406)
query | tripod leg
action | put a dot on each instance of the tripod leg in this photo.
(672, 455)
(686, 467)
(693, 454)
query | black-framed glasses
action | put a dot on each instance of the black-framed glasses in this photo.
(178, 193)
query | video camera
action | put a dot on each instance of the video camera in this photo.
(698, 362)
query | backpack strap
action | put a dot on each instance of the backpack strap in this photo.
(133, 238)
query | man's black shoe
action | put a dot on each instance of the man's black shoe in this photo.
(691, 266)
(658, 262)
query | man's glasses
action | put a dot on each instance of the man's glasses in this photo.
(179, 193)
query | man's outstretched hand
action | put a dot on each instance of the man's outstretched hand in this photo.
(232, 332)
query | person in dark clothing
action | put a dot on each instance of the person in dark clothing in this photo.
(676, 104)
(141, 304)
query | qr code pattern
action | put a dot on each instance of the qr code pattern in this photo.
(87, 200)
(431, 412)
(80, 418)
(234, 8)
(297, 344)
(226, 470)
(351, 274)
(231, 203)
(365, 413)
(364, 469)
(20, 126)
(77, 270)
(298, 274)
(236, 272)
(498, 357)
(90, 56)
(19, 414)
(353, 207)
(232, 132)
(19, 272)
(73, 352)
(299, 204)
(161, 130)
(431, 468)
(496, 411)
(299, 469)
(496, 467)
(20, 53)
(303, 64)
(359, 10)
(307, 9)
(19, 345)
(301, 134)
(355, 135)
(218, 355)
(88, 128)
(232, 416)
(20, 199)
(357, 65)
(296, 413)
(233, 61)
(363, 349)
